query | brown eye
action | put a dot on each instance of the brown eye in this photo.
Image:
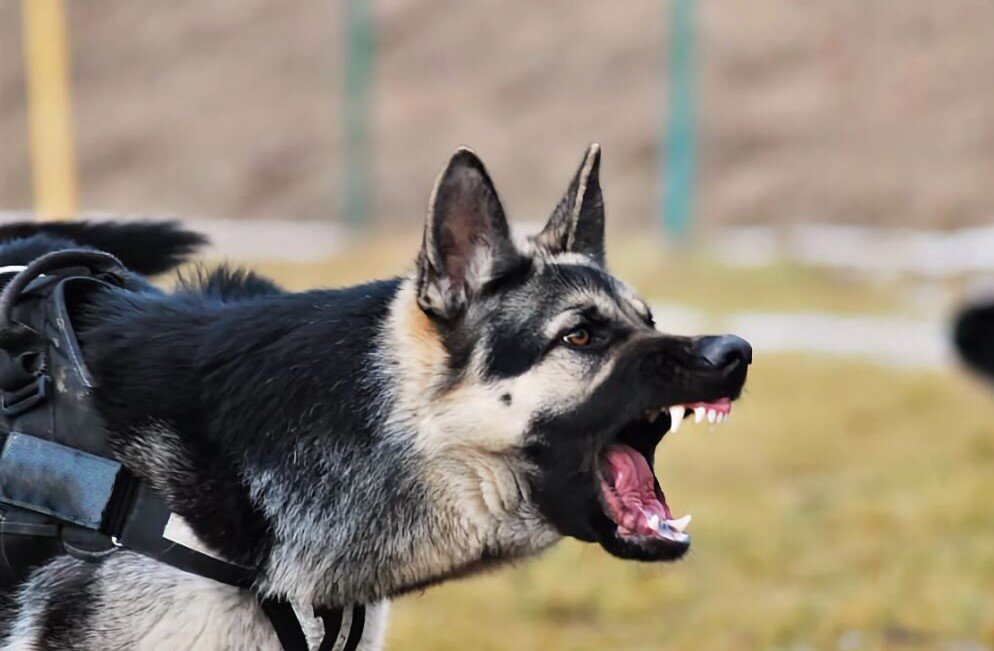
(577, 337)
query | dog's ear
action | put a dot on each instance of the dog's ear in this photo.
(466, 238)
(577, 223)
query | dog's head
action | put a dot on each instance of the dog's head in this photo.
(973, 336)
(535, 360)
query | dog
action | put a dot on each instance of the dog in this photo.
(361, 443)
(973, 336)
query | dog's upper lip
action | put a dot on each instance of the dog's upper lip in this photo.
(717, 411)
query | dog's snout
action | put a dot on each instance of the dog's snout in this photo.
(724, 350)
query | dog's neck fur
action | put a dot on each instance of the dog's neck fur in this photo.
(479, 507)
(292, 467)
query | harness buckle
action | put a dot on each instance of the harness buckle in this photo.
(18, 401)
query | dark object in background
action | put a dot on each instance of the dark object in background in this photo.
(973, 335)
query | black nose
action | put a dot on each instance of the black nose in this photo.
(724, 350)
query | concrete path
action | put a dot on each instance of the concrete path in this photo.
(893, 341)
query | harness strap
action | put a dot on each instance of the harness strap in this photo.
(142, 530)
(97, 262)
(341, 633)
(61, 483)
(285, 623)
(356, 628)
(332, 623)
(143, 533)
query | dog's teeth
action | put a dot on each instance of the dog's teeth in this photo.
(676, 417)
(670, 533)
(680, 524)
(654, 522)
(712, 415)
(720, 418)
(699, 414)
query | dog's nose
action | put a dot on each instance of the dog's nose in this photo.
(724, 350)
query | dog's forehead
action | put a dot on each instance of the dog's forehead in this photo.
(557, 286)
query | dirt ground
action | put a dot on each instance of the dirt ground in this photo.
(831, 111)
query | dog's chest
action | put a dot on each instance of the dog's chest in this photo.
(137, 603)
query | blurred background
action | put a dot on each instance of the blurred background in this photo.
(814, 176)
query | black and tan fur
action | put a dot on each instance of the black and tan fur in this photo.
(360, 443)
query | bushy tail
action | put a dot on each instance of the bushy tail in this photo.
(148, 247)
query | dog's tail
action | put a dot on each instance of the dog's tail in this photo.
(147, 247)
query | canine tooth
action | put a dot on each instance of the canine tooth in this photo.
(680, 524)
(654, 522)
(699, 414)
(676, 417)
(712, 415)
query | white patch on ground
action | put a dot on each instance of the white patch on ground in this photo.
(888, 340)
(880, 251)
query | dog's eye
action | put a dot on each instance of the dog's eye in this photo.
(577, 337)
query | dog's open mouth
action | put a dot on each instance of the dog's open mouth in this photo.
(630, 491)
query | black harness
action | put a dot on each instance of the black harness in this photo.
(61, 491)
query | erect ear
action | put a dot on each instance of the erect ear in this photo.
(577, 223)
(466, 239)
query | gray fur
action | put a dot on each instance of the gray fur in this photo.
(140, 604)
(467, 387)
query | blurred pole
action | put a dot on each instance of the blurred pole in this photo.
(680, 133)
(53, 157)
(358, 107)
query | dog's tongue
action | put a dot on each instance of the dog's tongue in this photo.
(630, 493)
(632, 475)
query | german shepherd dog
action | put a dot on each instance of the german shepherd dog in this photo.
(973, 336)
(361, 443)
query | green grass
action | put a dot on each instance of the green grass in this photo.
(842, 501)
